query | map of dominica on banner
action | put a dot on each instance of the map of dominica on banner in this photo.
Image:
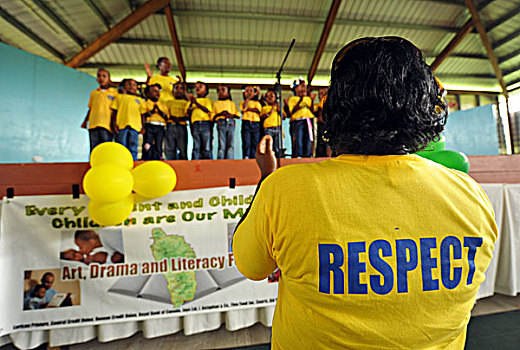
(171, 257)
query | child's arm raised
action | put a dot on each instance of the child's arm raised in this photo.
(148, 72)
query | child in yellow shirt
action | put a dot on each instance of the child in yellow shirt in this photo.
(176, 138)
(155, 121)
(271, 121)
(322, 147)
(199, 111)
(163, 78)
(224, 114)
(128, 117)
(299, 109)
(98, 115)
(250, 109)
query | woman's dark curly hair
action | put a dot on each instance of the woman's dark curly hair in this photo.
(382, 99)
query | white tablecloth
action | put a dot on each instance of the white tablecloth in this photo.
(502, 277)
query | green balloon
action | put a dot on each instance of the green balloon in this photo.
(436, 146)
(451, 159)
(433, 147)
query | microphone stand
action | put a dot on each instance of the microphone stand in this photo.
(278, 89)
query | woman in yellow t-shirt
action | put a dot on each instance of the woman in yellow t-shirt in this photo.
(250, 109)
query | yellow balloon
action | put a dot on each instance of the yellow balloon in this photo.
(111, 153)
(110, 214)
(108, 183)
(154, 179)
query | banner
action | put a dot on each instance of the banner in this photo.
(171, 257)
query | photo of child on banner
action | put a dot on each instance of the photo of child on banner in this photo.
(43, 290)
(89, 246)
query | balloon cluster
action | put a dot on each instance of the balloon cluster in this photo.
(451, 159)
(111, 182)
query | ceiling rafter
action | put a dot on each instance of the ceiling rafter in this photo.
(454, 42)
(175, 40)
(487, 45)
(329, 22)
(26, 31)
(502, 19)
(258, 47)
(97, 11)
(266, 70)
(506, 39)
(59, 22)
(117, 31)
(494, 62)
(311, 20)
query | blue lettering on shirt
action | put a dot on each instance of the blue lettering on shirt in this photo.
(428, 263)
(455, 245)
(138, 102)
(406, 257)
(472, 243)
(381, 266)
(110, 97)
(403, 264)
(327, 266)
(355, 267)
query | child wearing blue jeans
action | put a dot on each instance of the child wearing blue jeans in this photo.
(199, 111)
(224, 114)
(128, 117)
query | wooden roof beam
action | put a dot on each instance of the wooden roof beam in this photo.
(487, 45)
(323, 39)
(117, 31)
(494, 62)
(454, 42)
(26, 31)
(57, 20)
(175, 40)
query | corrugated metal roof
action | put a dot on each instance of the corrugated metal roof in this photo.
(249, 38)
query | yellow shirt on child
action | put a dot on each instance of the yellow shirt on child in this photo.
(177, 108)
(129, 109)
(166, 83)
(251, 116)
(305, 107)
(395, 261)
(156, 117)
(198, 115)
(99, 104)
(271, 121)
(224, 106)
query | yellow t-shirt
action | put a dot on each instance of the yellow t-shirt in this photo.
(251, 116)
(129, 109)
(156, 117)
(224, 105)
(273, 120)
(375, 252)
(99, 104)
(304, 112)
(198, 115)
(177, 108)
(166, 83)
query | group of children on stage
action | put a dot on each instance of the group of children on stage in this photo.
(167, 108)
